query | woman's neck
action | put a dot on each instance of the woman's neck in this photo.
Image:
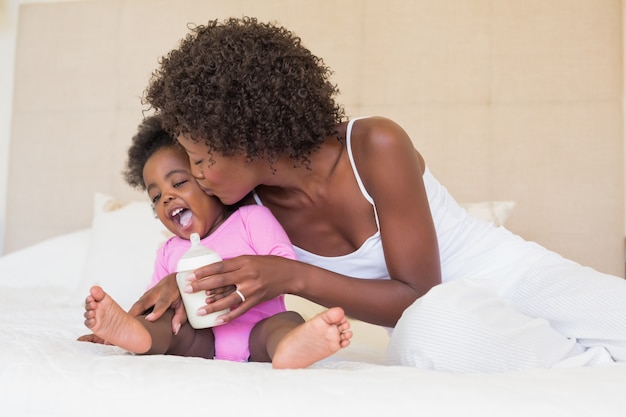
(303, 181)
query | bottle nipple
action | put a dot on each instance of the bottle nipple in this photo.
(197, 255)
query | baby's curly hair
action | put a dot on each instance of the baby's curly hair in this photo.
(246, 87)
(150, 137)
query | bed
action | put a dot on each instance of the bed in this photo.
(506, 100)
(44, 371)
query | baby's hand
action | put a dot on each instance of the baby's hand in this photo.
(92, 338)
(158, 299)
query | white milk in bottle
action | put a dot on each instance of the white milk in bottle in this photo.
(198, 255)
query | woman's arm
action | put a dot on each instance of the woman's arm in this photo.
(392, 172)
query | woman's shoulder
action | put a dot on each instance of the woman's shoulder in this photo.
(375, 123)
(377, 135)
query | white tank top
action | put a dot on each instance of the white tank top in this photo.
(368, 261)
(468, 246)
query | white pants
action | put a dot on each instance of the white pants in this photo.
(557, 313)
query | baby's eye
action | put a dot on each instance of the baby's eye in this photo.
(156, 198)
(179, 183)
(198, 162)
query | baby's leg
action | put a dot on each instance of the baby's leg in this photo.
(306, 343)
(267, 334)
(313, 340)
(108, 321)
(188, 341)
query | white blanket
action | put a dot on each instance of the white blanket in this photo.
(44, 371)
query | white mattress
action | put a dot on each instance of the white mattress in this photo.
(45, 372)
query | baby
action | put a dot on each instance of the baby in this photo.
(266, 332)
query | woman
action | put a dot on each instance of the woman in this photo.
(373, 230)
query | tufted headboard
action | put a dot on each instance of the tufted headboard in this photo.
(511, 100)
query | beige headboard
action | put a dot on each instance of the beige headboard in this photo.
(507, 100)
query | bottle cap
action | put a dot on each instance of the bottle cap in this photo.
(198, 255)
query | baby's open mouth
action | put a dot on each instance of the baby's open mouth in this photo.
(182, 216)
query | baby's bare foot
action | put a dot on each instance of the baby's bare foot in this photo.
(111, 324)
(313, 340)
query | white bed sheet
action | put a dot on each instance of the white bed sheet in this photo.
(44, 371)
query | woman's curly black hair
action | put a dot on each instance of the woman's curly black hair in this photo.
(150, 137)
(246, 87)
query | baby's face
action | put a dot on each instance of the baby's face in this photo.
(179, 202)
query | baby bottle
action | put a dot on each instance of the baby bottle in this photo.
(198, 255)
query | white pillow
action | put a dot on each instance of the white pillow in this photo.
(495, 212)
(122, 250)
(56, 262)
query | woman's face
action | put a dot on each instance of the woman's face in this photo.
(179, 202)
(229, 178)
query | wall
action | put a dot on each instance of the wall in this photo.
(516, 100)
(8, 31)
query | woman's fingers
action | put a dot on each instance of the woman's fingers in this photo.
(258, 278)
(228, 301)
(211, 277)
(219, 293)
(223, 277)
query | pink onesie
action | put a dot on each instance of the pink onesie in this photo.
(251, 230)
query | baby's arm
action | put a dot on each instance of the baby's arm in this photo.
(162, 294)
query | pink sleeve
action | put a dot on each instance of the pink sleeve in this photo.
(267, 235)
(160, 266)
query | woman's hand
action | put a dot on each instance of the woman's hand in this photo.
(258, 278)
(159, 298)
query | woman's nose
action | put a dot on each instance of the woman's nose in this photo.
(196, 171)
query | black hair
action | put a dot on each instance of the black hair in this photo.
(150, 137)
(242, 86)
